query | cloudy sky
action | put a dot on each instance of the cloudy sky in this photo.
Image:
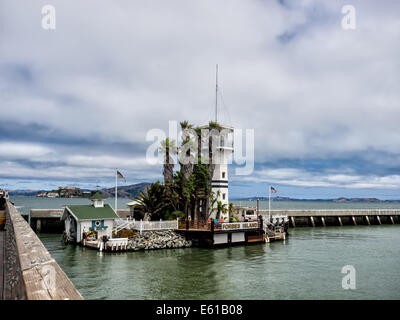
(77, 101)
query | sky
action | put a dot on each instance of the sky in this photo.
(77, 102)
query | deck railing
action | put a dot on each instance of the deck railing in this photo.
(202, 225)
(141, 225)
(332, 212)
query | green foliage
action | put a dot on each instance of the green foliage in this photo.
(152, 201)
(181, 192)
(174, 215)
(214, 125)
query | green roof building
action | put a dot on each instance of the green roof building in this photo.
(96, 219)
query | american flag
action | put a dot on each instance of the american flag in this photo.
(273, 190)
(120, 176)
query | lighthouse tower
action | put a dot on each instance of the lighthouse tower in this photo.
(221, 155)
(220, 180)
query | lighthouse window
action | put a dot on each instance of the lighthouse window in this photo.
(223, 175)
(223, 196)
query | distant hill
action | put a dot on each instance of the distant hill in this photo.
(24, 192)
(130, 191)
(338, 200)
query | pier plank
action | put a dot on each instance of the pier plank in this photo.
(43, 277)
(2, 262)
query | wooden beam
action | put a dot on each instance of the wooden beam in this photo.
(42, 276)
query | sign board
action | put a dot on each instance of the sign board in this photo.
(239, 225)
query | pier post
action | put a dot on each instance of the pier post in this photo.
(379, 219)
(340, 221)
(354, 220)
(38, 225)
(391, 219)
(292, 219)
(323, 221)
(312, 221)
(367, 218)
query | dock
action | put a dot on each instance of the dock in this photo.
(337, 217)
(206, 234)
(2, 257)
(28, 271)
(49, 220)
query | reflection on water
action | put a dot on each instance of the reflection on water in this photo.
(305, 266)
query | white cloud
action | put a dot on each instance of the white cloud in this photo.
(23, 150)
(304, 178)
(114, 70)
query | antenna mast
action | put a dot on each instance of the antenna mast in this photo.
(216, 94)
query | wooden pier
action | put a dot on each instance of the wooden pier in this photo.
(326, 218)
(29, 271)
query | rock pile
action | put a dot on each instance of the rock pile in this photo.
(150, 240)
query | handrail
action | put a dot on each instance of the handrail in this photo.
(31, 272)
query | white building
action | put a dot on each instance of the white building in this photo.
(221, 156)
(96, 219)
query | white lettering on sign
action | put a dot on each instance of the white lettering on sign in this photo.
(242, 225)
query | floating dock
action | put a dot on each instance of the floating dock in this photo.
(206, 234)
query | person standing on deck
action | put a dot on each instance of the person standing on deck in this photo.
(3, 201)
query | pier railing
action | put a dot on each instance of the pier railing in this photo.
(211, 225)
(333, 212)
(30, 271)
(141, 225)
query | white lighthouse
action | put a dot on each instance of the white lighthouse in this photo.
(222, 153)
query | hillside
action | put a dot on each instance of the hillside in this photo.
(130, 191)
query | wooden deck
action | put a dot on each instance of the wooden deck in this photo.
(42, 277)
(2, 262)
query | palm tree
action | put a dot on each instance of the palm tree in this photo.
(231, 208)
(187, 168)
(152, 201)
(168, 148)
(221, 208)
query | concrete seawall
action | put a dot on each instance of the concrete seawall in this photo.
(30, 272)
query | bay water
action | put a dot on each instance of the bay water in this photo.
(307, 265)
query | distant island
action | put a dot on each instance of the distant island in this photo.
(337, 200)
(130, 191)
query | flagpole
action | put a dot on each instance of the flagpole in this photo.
(116, 189)
(269, 204)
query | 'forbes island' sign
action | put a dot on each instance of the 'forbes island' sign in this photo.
(239, 225)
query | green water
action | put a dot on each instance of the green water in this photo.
(305, 266)
(24, 204)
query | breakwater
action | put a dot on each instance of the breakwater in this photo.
(151, 240)
(335, 217)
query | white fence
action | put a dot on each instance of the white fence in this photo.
(141, 225)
